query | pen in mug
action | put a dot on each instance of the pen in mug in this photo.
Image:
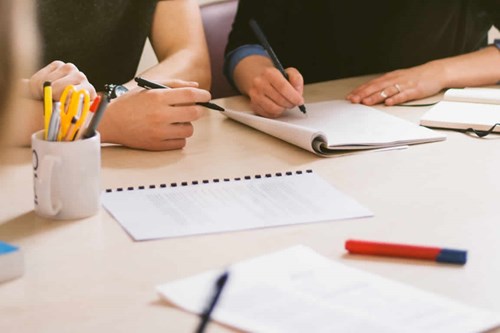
(90, 130)
(54, 122)
(71, 129)
(141, 82)
(47, 107)
(274, 58)
(92, 110)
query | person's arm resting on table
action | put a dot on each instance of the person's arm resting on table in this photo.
(161, 119)
(473, 69)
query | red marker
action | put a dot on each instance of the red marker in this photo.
(406, 251)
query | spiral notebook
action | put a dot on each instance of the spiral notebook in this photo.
(224, 205)
(335, 128)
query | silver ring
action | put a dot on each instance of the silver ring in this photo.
(383, 94)
(397, 87)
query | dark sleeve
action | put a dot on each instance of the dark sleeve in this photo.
(492, 8)
(241, 33)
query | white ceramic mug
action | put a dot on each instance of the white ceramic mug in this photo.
(66, 177)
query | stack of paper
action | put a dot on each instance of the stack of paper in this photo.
(297, 290)
(476, 108)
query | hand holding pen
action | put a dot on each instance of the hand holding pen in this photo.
(271, 88)
(147, 84)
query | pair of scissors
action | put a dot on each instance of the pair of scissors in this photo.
(74, 107)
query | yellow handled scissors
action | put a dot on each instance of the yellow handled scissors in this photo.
(74, 104)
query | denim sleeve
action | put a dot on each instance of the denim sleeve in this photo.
(235, 56)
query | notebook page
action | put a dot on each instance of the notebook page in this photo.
(473, 95)
(298, 290)
(341, 125)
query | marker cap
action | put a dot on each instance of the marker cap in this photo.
(452, 256)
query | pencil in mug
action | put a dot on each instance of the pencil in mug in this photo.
(47, 107)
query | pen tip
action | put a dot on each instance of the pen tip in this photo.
(302, 109)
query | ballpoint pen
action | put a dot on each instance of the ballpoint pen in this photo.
(141, 82)
(274, 58)
(90, 130)
(205, 317)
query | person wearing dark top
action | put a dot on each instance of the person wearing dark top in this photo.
(438, 43)
(100, 42)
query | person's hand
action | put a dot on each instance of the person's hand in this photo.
(156, 119)
(401, 85)
(271, 94)
(60, 75)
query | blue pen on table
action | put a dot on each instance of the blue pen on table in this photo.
(274, 58)
(141, 82)
(205, 317)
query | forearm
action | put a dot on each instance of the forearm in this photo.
(178, 40)
(26, 118)
(184, 64)
(473, 69)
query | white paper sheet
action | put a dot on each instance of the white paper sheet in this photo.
(298, 290)
(336, 127)
(230, 205)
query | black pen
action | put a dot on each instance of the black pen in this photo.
(141, 82)
(94, 122)
(263, 40)
(205, 317)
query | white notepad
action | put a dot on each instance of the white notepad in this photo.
(336, 127)
(298, 290)
(477, 108)
(223, 205)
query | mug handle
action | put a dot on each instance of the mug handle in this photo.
(45, 189)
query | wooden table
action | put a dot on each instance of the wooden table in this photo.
(89, 276)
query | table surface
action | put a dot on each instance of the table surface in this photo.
(89, 276)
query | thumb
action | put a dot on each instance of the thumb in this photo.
(295, 79)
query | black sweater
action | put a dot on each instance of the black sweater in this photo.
(328, 39)
(103, 38)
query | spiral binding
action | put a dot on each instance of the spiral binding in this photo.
(206, 181)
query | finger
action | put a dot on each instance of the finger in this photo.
(36, 81)
(176, 114)
(162, 131)
(404, 96)
(268, 108)
(77, 79)
(295, 79)
(179, 96)
(285, 88)
(276, 97)
(380, 96)
(260, 111)
(370, 87)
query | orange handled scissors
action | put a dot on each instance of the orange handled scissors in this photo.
(74, 104)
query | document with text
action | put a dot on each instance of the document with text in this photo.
(224, 205)
(298, 290)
